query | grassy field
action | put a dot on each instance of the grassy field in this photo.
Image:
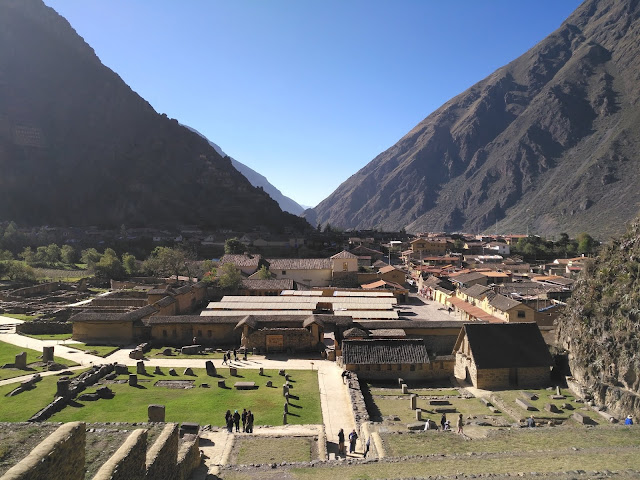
(8, 354)
(21, 407)
(99, 350)
(508, 398)
(204, 405)
(50, 336)
(542, 450)
(248, 450)
(157, 353)
(21, 316)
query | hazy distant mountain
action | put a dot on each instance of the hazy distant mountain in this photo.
(79, 147)
(257, 180)
(551, 142)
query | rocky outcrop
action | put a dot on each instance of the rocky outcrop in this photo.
(600, 325)
(549, 142)
(79, 147)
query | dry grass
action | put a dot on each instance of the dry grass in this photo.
(251, 449)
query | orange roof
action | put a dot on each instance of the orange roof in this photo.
(473, 311)
(495, 274)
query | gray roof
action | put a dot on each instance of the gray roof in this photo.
(134, 315)
(506, 345)
(354, 333)
(388, 332)
(468, 277)
(396, 351)
(476, 291)
(268, 284)
(165, 301)
(241, 260)
(186, 319)
(503, 303)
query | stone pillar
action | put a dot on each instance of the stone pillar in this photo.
(233, 371)
(47, 354)
(400, 382)
(285, 390)
(211, 368)
(133, 380)
(140, 370)
(156, 413)
(221, 384)
(419, 414)
(62, 387)
(21, 361)
(261, 371)
(405, 389)
(157, 371)
(414, 401)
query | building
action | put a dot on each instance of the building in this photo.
(506, 355)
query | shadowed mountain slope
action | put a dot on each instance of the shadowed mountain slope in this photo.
(79, 147)
(550, 141)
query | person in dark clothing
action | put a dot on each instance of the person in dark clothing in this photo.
(249, 422)
(443, 420)
(236, 420)
(224, 359)
(235, 355)
(353, 437)
(228, 419)
(227, 416)
(341, 442)
(244, 420)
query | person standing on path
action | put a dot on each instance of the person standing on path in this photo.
(244, 419)
(249, 422)
(460, 424)
(236, 420)
(443, 420)
(341, 442)
(353, 437)
(367, 445)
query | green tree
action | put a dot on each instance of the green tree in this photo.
(68, 254)
(109, 267)
(585, 243)
(6, 255)
(18, 271)
(264, 273)
(41, 254)
(234, 246)
(27, 255)
(129, 263)
(53, 253)
(166, 261)
(90, 256)
(230, 277)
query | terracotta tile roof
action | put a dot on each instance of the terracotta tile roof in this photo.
(372, 352)
(343, 254)
(299, 263)
(473, 311)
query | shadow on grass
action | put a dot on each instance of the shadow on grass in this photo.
(75, 404)
(293, 414)
(294, 406)
(295, 397)
(372, 408)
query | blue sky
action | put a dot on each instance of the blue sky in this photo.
(307, 92)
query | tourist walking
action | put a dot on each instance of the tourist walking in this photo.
(224, 359)
(244, 420)
(353, 436)
(341, 442)
(249, 422)
(460, 424)
(236, 420)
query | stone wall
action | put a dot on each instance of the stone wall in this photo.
(129, 461)
(162, 457)
(441, 368)
(360, 412)
(36, 289)
(43, 327)
(189, 457)
(294, 339)
(59, 457)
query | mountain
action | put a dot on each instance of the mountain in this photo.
(549, 142)
(79, 147)
(599, 327)
(286, 204)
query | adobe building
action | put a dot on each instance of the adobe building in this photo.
(494, 356)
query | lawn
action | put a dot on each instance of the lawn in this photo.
(8, 354)
(21, 316)
(249, 449)
(157, 353)
(508, 398)
(204, 405)
(23, 406)
(50, 336)
(98, 350)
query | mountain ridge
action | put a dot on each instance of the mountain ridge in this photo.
(79, 147)
(537, 145)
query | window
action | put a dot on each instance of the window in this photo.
(345, 266)
(284, 272)
(521, 314)
(164, 333)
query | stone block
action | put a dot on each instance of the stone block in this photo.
(121, 369)
(136, 354)
(105, 392)
(244, 385)
(189, 428)
(191, 350)
(188, 371)
(233, 371)
(157, 370)
(221, 384)
(414, 401)
(21, 361)
(439, 402)
(47, 354)
(582, 418)
(281, 372)
(529, 395)
(450, 409)
(269, 383)
(211, 368)
(156, 413)
(62, 387)
(140, 370)
(88, 397)
(557, 397)
(418, 414)
(416, 426)
(551, 408)
(486, 402)
(133, 380)
(524, 404)
(167, 352)
(261, 371)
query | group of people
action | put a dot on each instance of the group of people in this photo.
(445, 425)
(353, 438)
(226, 356)
(233, 419)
